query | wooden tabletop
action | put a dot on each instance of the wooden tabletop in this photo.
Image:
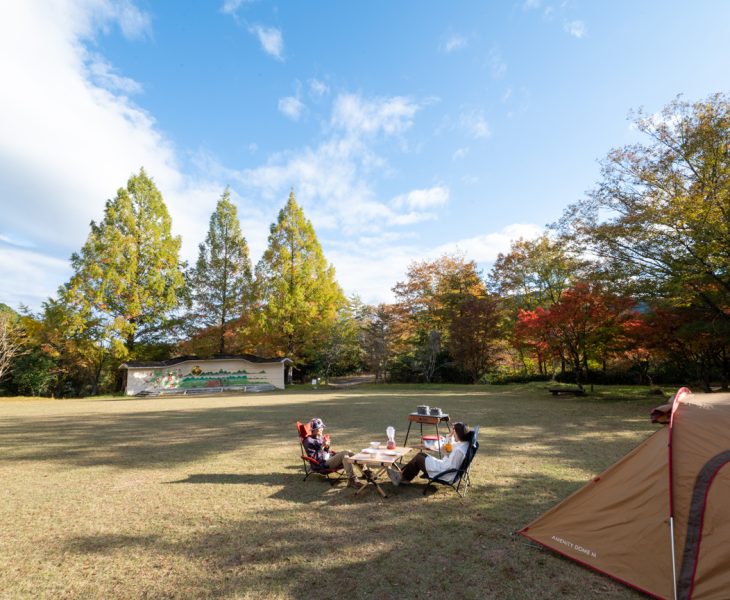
(379, 456)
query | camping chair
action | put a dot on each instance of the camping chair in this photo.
(461, 482)
(312, 465)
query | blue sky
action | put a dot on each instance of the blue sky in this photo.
(407, 129)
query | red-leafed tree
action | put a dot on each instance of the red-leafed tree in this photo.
(691, 341)
(586, 323)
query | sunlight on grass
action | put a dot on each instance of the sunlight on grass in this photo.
(203, 497)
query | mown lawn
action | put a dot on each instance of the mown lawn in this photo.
(203, 497)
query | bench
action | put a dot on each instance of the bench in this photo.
(571, 391)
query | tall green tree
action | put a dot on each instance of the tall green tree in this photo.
(220, 284)
(534, 272)
(660, 216)
(128, 272)
(299, 295)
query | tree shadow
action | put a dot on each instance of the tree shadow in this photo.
(407, 547)
(295, 537)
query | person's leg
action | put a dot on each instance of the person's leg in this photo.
(338, 460)
(416, 464)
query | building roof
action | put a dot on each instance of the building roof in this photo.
(141, 364)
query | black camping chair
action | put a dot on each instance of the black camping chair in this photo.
(461, 481)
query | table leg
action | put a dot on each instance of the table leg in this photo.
(372, 479)
(376, 484)
(405, 442)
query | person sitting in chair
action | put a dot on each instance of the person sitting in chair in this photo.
(317, 446)
(432, 466)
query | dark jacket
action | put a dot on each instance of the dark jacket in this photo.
(314, 447)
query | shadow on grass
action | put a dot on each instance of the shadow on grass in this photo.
(405, 546)
(558, 427)
(295, 539)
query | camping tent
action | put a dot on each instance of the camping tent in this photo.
(665, 503)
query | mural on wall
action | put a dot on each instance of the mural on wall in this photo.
(173, 379)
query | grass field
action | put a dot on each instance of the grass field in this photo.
(203, 497)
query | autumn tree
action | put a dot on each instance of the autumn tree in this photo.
(428, 301)
(381, 336)
(296, 287)
(534, 272)
(473, 335)
(11, 339)
(660, 216)
(690, 343)
(586, 323)
(340, 350)
(220, 284)
(128, 271)
(72, 347)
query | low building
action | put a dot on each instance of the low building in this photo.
(190, 374)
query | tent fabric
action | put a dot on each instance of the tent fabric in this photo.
(618, 523)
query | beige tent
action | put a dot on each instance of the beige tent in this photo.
(666, 503)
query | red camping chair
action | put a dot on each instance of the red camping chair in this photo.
(312, 465)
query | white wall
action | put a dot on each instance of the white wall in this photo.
(154, 379)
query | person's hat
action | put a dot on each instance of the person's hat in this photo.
(316, 423)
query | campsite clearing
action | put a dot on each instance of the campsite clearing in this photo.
(203, 497)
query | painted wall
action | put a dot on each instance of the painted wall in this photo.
(201, 374)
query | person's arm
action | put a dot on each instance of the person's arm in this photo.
(452, 460)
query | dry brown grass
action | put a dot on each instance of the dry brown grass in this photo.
(203, 497)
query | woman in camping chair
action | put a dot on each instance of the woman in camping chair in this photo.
(317, 446)
(431, 465)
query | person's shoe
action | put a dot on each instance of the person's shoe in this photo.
(352, 483)
(395, 477)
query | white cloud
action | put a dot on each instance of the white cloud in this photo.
(68, 140)
(454, 42)
(230, 7)
(372, 274)
(29, 277)
(460, 153)
(292, 107)
(318, 88)
(496, 65)
(576, 28)
(104, 75)
(271, 40)
(380, 115)
(485, 248)
(475, 124)
(531, 4)
(334, 178)
(423, 199)
(372, 266)
(133, 22)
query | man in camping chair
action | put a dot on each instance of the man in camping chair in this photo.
(432, 466)
(318, 447)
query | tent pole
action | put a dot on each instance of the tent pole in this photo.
(675, 406)
(674, 562)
